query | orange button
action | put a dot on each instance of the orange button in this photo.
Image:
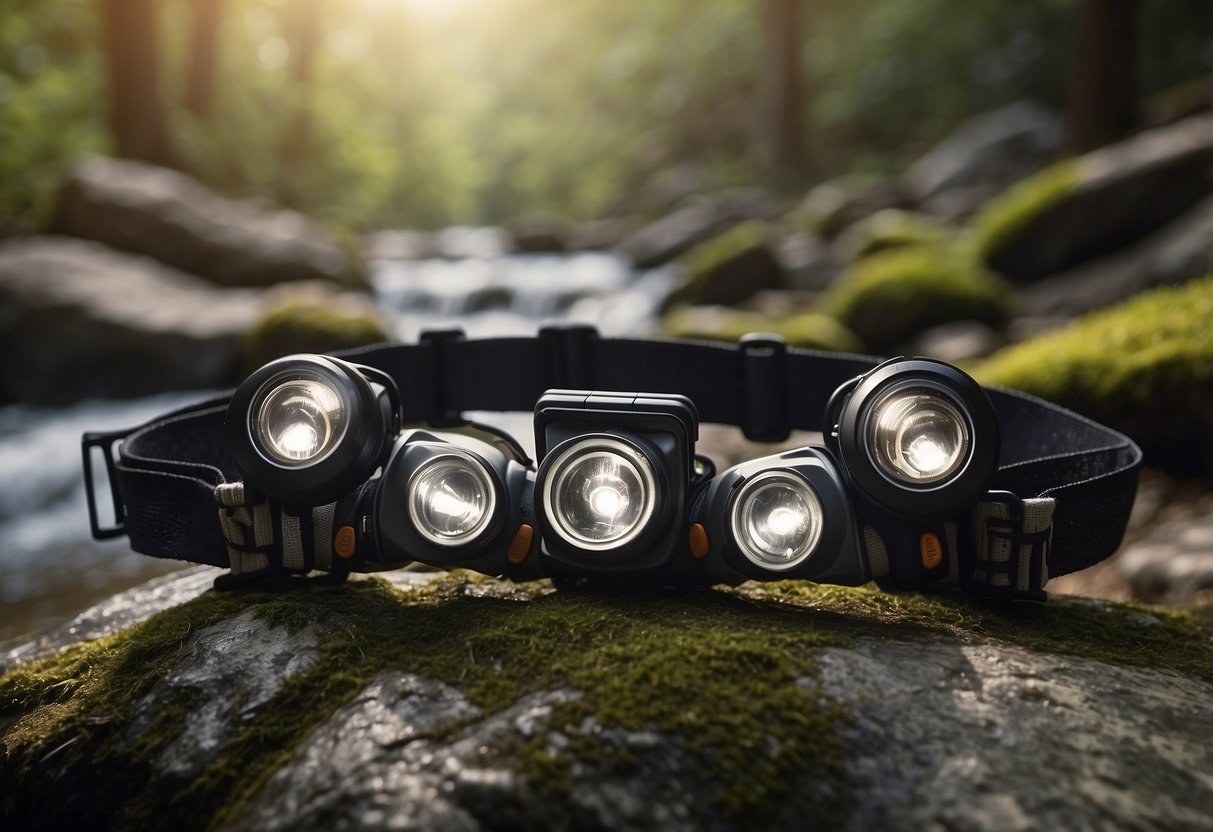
(698, 539)
(345, 542)
(931, 550)
(521, 547)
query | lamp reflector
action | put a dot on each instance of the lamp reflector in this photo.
(451, 500)
(918, 436)
(776, 520)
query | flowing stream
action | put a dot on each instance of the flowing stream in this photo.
(51, 568)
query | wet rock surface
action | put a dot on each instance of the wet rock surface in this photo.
(179, 221)
(932, 728)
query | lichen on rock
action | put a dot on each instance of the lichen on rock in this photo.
(311, 319)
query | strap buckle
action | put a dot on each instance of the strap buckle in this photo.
(568, 348)
(105, 441)
(439, 414)
(764, 395)
(1011, 547)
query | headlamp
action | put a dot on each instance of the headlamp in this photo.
(924, 476)
(306, 429)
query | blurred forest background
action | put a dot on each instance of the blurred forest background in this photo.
(425, 113)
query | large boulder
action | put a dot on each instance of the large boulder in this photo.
(982, 157)
(78, 320)
(1144, 367)
(836, 204)
(167, 215)
(470, 704)
(1095, 204)
(1181, 250)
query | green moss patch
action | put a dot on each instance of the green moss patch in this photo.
(1144, 367)
(891, 229)
(730, 267)
(812, 330)
(891, 296)
(308, 324)
(1000, 222)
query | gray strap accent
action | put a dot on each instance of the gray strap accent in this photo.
(876, 551)
(292, 544)
(1036, 519)
(322, 527)
(240, 522)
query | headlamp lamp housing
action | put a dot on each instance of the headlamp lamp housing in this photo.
(834, 556)
(642, 446)
(950, 394)
(337, 460)
(401, 536)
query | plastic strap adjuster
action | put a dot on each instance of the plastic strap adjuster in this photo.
(1008, 562)
(764, 395)
(568, 350)
(105, 442)
(438, 413)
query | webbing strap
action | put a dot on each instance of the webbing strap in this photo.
(168, 469)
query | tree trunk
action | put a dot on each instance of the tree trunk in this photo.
(1103, 99)
(779, 130)
(204, 57)
(136, 112)
(303, 35)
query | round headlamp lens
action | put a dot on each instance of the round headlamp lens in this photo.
(776, 520)
(299, 422)
(601, 494)
(919, 436)
(451, 500)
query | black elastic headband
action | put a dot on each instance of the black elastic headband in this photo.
(165, 473)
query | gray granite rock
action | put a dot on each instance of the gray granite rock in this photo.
(179, 221)
(953, 735)
(982, 157)
(79, 320)
(1173, 565)
(1120, 194)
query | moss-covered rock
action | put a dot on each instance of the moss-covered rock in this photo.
(310, 321)
(812, 330)
(889, 229)
(889, 297)
(731, 267)
(1144, 367)
(999, 224)
(1098, 203)
(468, 703)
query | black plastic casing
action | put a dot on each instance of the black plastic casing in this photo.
(373, 404)
(837, 559)
(847, 417)
(663, 428)
(398, 541)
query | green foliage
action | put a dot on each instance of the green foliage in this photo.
(309, 324)
(1145, 366)
(1002, 219)
(50, 102)
(423, 114)
(811, 330)
(891, 296)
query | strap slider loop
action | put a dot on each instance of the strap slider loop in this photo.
(438, 413)
(568, 348)
(764, 396)
(105, 442)
(1012, 540)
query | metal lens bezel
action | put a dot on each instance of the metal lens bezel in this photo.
(868, 428)
(558, 471)
(480, 471)
(737, 525)
(257, 411)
